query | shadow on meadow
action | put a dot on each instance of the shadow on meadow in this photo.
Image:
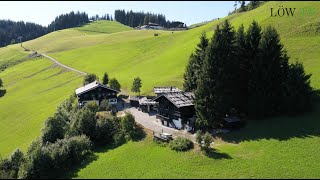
(281, 128)
(215, 154)
(139, 135)
(2, 92)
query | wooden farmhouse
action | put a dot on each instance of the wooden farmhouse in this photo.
(96, 92)
(176, 109)
(160, 90)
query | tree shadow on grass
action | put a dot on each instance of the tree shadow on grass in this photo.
(2, 92)
(280, 128)
(215, 154)
(139, 135)
(74, 170)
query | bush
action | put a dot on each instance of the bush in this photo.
(106, 128)
(65, 110)
(9, 167)
(89, 78)
(54, 129)
(114, 84)
(199, 135)
(105, 106)
(207, 139)
(52, 160)
(128, 125)
(181, 144)
(84, 122)
(119, 138)
(92, 106)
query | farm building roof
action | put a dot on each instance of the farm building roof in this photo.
(158, 90)
(91, 86)
(146, 101)
(179, 99)
(153, 24)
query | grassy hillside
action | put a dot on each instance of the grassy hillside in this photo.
(104, 26)
(33, 91)
(161, 60)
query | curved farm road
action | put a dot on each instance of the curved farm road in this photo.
(62, 65)
(149, 121)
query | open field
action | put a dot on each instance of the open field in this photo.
(33, 91)
(272, 148)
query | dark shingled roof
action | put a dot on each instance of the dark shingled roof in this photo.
(179, 99)
(159, 90)
(91, 86)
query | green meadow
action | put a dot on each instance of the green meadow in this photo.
(277, 147)
(33, 91)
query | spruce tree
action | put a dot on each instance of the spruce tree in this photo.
(195, 63)
(105, 79)
(270, 82)
(241, 97)
(189, 76)
(215, 88)
(253, 37)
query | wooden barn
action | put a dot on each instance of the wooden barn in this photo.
(160, 90)
(176, 109)
(97, 92)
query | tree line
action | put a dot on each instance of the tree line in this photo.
(243, 7)
(103, 17)
(246, 74)
(134, 19)
(10, 31)
(68, 20)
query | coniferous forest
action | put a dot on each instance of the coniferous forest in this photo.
(134, 19)
(10, 31)
(246, 74)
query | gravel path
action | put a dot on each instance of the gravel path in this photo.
(62, 65)
(149, 121)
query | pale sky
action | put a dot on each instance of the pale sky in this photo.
(43, 12)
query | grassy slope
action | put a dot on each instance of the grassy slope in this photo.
(28, 101)
(33, 91)
(104, 26)
(264, 149)
(277, 147)
(161, 60)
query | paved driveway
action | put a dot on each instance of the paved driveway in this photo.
(149, 121)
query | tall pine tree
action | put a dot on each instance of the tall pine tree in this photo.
(215, 88)
(195, 63)
(241, 97)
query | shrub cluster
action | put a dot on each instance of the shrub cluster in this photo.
(181, 144)
(67, 139)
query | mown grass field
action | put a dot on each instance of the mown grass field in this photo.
(272, 148)
(279, 147)
(33, 90)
